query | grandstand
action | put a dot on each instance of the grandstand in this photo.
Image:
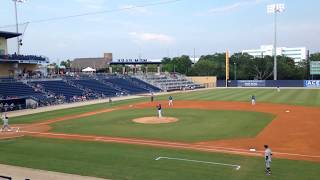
(168, 82)
(66, 89)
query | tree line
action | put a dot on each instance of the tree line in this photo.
(242, 66)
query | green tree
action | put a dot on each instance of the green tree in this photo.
(66, 63)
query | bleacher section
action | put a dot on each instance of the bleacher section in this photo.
(169, 82)
(126, 84)
(16, 89)
(59, 87)
(96, 86)
(83, 87)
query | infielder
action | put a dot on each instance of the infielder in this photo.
(170, 101)
(159, 111)
(151, 98)
(278, 88)
(267, 157)
(5, 120)
(253, 100)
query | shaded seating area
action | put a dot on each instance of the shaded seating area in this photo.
(144, 84)
(11, 90)
(59, 87)
(126, 85)
(96, 86)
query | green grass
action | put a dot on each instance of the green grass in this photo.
(69, 111)
(120, 161)
(193, 125)
(302, 97)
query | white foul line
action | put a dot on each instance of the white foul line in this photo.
(237, 167)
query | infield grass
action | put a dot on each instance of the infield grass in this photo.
(130, 162)
(193, 125)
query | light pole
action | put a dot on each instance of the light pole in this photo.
(275, 9)
(235, 70)
(17, 24)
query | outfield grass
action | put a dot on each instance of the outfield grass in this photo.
(193, 125)
(120, 161)
(303, 97)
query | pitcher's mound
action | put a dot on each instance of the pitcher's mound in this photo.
(155, 120)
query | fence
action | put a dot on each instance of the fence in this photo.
(270, 83)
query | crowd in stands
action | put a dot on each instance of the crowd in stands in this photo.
(22, 57)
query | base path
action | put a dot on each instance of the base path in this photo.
(293, 134)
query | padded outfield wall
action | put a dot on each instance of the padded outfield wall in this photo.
(270, 83)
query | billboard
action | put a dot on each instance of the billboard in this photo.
(251, 83)
(315, 67)
(312, 83)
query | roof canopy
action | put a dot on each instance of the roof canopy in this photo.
(9, 35)
(88, 69)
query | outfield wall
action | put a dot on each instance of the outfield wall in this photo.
(270, 83)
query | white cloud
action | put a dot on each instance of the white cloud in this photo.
(234, 6)
(134, 9)
(151, 37)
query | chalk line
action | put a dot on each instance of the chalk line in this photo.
(237, 167)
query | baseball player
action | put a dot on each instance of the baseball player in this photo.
(278, 88)
(170, 101)
(159, 111)
(253, 100)
(267, 157)
(152, 98)
(5, 120)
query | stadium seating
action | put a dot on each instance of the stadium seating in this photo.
(169, 82)
(17, 90)
(22, 57)
(96, 86)
(59, 87)
(126, 85)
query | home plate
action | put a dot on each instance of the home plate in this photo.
(287, 111)
(252, 150)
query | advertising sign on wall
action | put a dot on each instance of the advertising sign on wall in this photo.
(312, 83)
(251, 83)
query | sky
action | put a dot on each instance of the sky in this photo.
(168, 29)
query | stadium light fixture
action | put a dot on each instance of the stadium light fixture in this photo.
(275, 9)
(19, 43)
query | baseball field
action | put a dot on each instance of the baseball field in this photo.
(209, 139)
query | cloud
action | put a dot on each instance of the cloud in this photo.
(236, 5)
(134, 9)
(151, 37)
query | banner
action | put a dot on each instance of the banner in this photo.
(312, 83)
(251, 83)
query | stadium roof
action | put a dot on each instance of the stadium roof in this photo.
(9, 35)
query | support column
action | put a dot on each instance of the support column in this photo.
(134, 69)
(110, 69)
(123, 69)
(146, 68)
(158, 69)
